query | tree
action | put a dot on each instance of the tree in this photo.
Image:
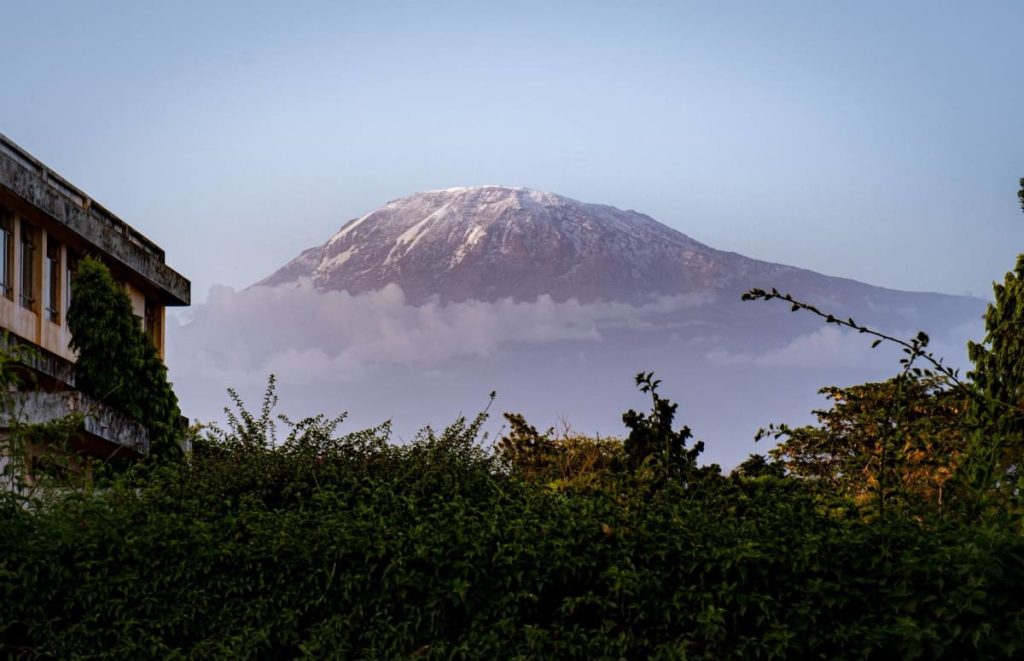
(651, 435)
(900, 439)
(757, 465)
(998, 374)
(117, 363)
(562, 459)
(529, 452)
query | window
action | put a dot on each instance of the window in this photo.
(153, 319)
(28, 259)
(6, 254)
(52, 281)
(69, 272)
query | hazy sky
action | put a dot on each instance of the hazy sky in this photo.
(875, 140)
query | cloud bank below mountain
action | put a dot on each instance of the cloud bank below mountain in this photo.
(732, 366)
(303, 334)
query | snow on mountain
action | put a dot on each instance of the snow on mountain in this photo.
(492, 242)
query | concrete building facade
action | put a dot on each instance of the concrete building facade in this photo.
(46, 226)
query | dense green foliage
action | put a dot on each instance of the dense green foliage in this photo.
(347, 546)
(998, 376)
(117, 363)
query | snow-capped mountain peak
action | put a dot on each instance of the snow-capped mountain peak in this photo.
(490, 242)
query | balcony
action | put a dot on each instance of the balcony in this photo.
(104, 432)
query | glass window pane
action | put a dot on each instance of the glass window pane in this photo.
(69, 273)
(52, 296)
(6, 252)
(28, 258)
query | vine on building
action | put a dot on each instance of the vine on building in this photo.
(117, 363)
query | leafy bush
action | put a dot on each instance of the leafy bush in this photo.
(329, 545)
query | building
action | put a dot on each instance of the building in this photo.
(46, 226)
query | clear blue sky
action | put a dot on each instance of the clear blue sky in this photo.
(875, 140)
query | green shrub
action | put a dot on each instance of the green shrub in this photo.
(338, 546)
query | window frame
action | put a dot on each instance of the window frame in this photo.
(26, 289)
(70, 269)
(7, 254)
(51, 281)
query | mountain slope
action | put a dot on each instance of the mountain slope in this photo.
(493, 242)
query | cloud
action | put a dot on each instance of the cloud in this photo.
(309, 336)
(832, 347)
(380, 358)
(826, 347)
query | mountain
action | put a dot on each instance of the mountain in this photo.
(493, 242)
(555, 304)
(488, 243)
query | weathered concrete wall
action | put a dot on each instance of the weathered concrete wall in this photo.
(30, 180)
(102, 423)
(46, 363)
